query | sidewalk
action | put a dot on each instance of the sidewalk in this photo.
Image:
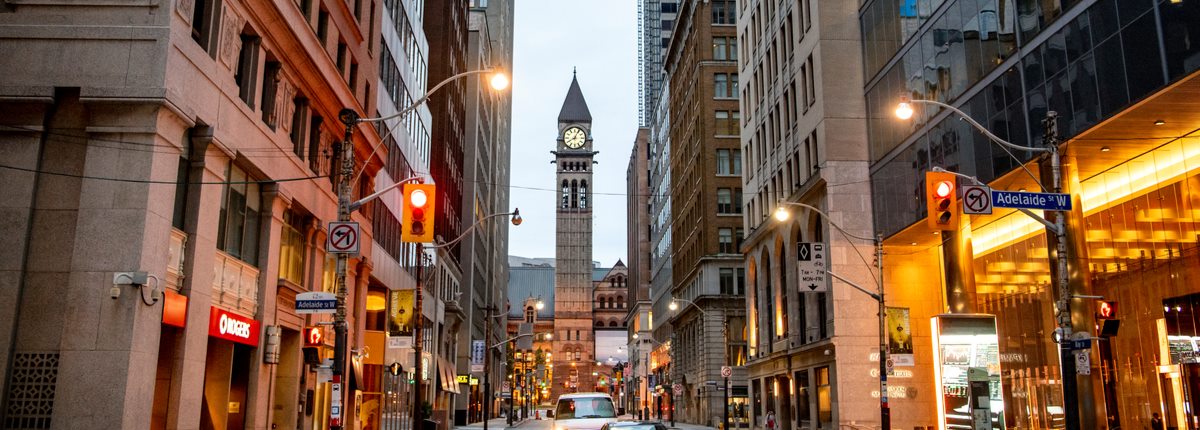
(494, 423)
(683, 426)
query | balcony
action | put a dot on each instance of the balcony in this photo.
(235, 283)
(175, 259)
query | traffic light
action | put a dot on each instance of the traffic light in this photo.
(941, 200)
(1107, 318)
(313, 336)
(417, 225)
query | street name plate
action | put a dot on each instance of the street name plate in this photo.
(1026, 200)
(316, 302)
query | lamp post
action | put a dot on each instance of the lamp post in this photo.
(350, 119)
(1050, 140)
(885, 413)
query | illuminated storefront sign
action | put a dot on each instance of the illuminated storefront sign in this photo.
(966, 364)
(232, 327)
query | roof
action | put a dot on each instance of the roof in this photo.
(574, 108)
(598, 273)
(531, 281)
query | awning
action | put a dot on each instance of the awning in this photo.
(447, 374)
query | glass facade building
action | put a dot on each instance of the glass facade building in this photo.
(1122, 77)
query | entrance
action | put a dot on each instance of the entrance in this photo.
(226, 378)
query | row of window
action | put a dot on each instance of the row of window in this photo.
(575, 194)
(610, 302)
(783, 115)
(729, 240)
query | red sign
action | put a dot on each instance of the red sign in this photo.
(1106, 310)
(313, 336)
(231, 326)
(174, 309)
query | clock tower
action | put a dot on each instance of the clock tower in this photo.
(573, 341)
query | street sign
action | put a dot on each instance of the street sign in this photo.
(335, 403)
(478, 348)
(678, 388)
(977, 200)
(1025, 200)
(316, 303)
(810, 259)
(343, 238)
(1081, 344)
(1083, 362)
(726, 371)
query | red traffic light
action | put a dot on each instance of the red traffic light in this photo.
(941, 200)
(944, 188)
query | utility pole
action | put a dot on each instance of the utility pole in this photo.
(348, 117)
(419, 315)
(487, 358)
(1063, 314)
(885, 411)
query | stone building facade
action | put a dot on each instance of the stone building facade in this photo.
(193, 142)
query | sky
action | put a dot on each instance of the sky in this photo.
(599, 38)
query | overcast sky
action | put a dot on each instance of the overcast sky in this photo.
(599, 37)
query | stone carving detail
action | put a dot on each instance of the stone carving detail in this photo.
(283, 102)
(231, 40)
(186, 9)
(31, 390)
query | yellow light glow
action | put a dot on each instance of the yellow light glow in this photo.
(781, 214)
(376, 302)
(499, 81)
(904, 111)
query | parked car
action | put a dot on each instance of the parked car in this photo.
(634, 425)
(584, 411)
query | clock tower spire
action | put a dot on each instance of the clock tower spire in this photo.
(574, 341)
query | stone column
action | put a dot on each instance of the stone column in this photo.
(262, 375)
(208, 164)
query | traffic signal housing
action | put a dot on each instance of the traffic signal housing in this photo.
(1107, 318)
(417, 223)
(941, 200)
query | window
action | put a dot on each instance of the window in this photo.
(725, 85)
(291, 248)
(737, 161)
(315, 155)
(740, 286)
(727, 123)
(322, 26)
(299, 122)
(810, 82)
(237, 230)
(824, 398)
(725, 201)
(206, 24)
(329, 274)
(726, 280)
(182, 175)
(738, 233)
(583, 195)
(725, 241)
(803, 410)
(724, 48)
(246, 74)
(735, 329)
(723, 164)
(342, 51)
(669, 7)
(529, 314)
(724, 12)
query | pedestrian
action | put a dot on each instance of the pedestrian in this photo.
(1156, 422)
(770, 420)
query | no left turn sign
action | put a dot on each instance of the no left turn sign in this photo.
(343, 238)
(977, 200)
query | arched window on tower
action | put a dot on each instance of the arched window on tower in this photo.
(564, 194)
(574, 194)
(529, 314)
(583, 194)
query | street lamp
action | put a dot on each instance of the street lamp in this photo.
(350, 118)
(885, 414)
(1058, 227)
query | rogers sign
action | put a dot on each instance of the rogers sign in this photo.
(233, 327)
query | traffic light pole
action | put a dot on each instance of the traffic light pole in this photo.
(348, 117)
(1050, 141)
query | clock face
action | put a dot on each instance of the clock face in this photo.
(574, 137)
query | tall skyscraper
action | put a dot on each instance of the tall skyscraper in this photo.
(655, 21)
(574, 344)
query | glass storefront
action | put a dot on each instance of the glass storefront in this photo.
(1138, 245)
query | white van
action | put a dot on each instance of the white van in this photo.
(584, 411)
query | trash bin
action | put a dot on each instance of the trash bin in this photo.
(428, 424)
